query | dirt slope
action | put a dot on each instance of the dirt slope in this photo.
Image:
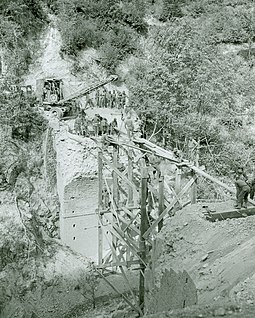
(218, 256)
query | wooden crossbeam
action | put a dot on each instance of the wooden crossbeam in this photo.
(168, 208)
(129, 226)
(161, 152)
(172, 191)
(107, 257)
(120, 174)
(122, 236)
(154, 191)
(130, 214)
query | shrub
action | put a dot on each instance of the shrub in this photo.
(19, 114)
(114, 27)
(80, 34)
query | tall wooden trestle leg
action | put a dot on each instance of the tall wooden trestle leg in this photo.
(135, 194)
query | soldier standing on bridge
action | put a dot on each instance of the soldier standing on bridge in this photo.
(96, 124)
(84, 123)
(242, 189)
(97, 98)
(104, 126)
(78, 125)
(113, 127)
(129, 125)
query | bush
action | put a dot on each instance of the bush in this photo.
(21, 21)
(171, 9)
(19, 114)
(80, 34)
(114, 27)
(119, 43)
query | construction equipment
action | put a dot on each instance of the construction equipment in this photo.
(51, 95)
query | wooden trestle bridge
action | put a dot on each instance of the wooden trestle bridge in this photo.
(140, 184)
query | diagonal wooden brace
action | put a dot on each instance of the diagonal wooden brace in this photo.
(169, 207)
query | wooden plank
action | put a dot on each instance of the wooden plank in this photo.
(130, 177)
(178, 175)
(121, 175)
(230, 214)
(161, 205)
(143, 228)
(172, 191)
(129, 226)
(130, 214)
(113, 205)
(168, 208)
(115, 193)
(161, 152)
(100, 205)
(107, 257)
(122, 236)
(193, 192)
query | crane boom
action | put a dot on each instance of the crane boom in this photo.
(85, 91)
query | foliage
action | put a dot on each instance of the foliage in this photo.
(19, 113)
(119, 43)
(21, 22)
(171, 9)
(111, 27)
(184, 88)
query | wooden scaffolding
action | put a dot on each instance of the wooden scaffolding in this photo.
(136, 193)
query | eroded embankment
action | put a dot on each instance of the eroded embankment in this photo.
(218, 256)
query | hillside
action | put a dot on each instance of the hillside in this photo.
(187, 71)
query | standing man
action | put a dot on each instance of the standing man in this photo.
(96, 124)
(78, 125)
(242, 191)
(129, 125)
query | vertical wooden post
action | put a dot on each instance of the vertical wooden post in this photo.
(178, 180)
(193, 193)
(193, 190)
(115, 193)
(100, 199)
(143, 229)
(161, 198)
(130, 195)
(130, 177)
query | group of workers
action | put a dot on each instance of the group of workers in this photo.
(97, 126)
(244, 188)
(107, 99)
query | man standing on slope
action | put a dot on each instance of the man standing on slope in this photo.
(242, 191)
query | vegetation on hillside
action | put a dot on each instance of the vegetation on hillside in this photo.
(109, 26)
(187, 76)
(190, 75)
(186, 83)
(21, 22)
